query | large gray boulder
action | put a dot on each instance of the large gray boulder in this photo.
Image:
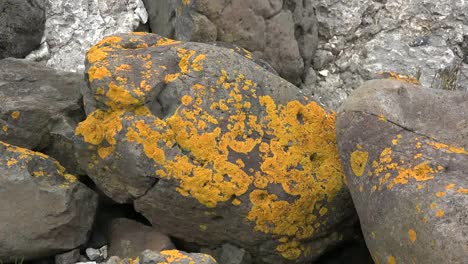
(43, 210)
(40, 108)
(426, 39)
(21, 27)
(404, 150)
(210, 147)
(282, 32)
(72, 27)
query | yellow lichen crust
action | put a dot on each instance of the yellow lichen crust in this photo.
(359, 162)
(176, 256)
(236, 147)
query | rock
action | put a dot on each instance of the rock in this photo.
(21, 27)
(283, 33)
(174, 257)
(404, 151)
(128, 238)
(207, 145)
(72, 27)
(114, 260)
(52, 212)
(98, 255)
(418, 38)
(161, 14)
(70, 257)
(40, 108)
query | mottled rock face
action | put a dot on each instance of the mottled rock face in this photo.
(40, 108)
(404, 152)
(72, 27)
(43, 210)
(21, 27)
(210, 147)
(284, 33)
(174, 257)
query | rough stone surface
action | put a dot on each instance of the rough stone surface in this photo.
(282, 32)
(404, 151)
(43, 210)
(360, 38)
(21, 27)
(40, 108)
(72, 27)
(70, 257)
(191, 129)
(97, 254)
(174, 257)
(128, 238)
(229, 254)
(161, 16)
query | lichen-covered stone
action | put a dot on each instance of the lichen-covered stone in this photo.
(40, 108)
(210, 147)
(173, 257)
(405, 154)
(43, 210)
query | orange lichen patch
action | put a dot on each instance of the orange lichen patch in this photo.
(171, 77)
(440, 213)
(119, 98)
(412, 235)
(186, 99)
(112, 40)
(447, 148)
(186, 2)
(123, 67)
(359, 162)
(15, 114)
(462, 190)
(450, 186)
(421, 172)
(5, 129)
(98, 73)
(401, 77)
(166, 41)
(11, 162)
(418, 155)
(196, 63)
(382, 118)
(96, 54)
(184, 56)
(100, 126)
(440, 194)
(432, 205)
(391, 260)
(418, 208)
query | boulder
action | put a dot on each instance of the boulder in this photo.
(404, 152)
(210, 147)
(128, 238)
(283, 33)
(40, 108)
(22, 24)
(174, 257)
(72, 27)
(43, 210)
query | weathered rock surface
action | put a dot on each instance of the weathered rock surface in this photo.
(404, 151)
(360, 38)
(72, 27)
(40, 108)
(21, 27)
(43, 210)
(174, 257)
(128, 238)
(282, 32)
(188, 129)
(229, 254)
(70, 257)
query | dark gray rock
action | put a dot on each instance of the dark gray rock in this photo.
(184, 128)
(70, 257)
(404, 149)
(22, 24)
(43, 210)
(40, 108)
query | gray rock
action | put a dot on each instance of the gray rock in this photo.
(174, 257)
(419, 38)
(21, 27)
(97, 255)
(128, 238)
(231, 254)
(161, 14)
(51, 211)
(282, 32)
(243, 121)
(404, 149)
(72, 27)
(40, 108)
(70, 257)
(114, 260)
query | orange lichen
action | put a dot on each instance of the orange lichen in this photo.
(401, 77)
(462, 190)
(450, 186)
(391, 260)
(171, 77)
(447, 148)
(15, 114)
(440, 213)
(412, 235)
(440, 194)
(119, 98)
(432, 205)
(166, 41)
(98, 73)
(123, 67)
(5, 129)
(359, 161)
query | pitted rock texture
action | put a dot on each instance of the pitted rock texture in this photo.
(40, 108)
(72, 27)
(406, 162)
(361, 38)
(43, 210)
(192, 129)
(282, 32)
(22, 25)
